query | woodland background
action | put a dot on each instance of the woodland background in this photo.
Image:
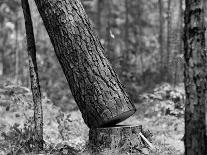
(142, 52)
(143, 42)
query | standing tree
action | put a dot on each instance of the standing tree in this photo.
(161, 38)
(181, 26)
(31, 48)
(126, 34)
(17, 50)
(99, 13)
(168, 32)
(2, 49)
(109, 48)
(93, 83)
(195, 78)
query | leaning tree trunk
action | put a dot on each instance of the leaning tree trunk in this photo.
(36, 93)
(93, 83)
(195, 78)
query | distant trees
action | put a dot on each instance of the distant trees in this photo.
(195, 78)
(7, 9)
(133, 33)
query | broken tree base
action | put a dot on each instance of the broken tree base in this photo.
(120, 139)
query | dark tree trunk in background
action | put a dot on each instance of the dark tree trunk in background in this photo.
(1, 61)
(181, 26)
(31, 48)
(195, 78)
(126, 36)
(2, 51)
(99, 12)
(108, 39)
(139, 46)
(16, 51)
(168, 33)
(161, 32)
(94, 85)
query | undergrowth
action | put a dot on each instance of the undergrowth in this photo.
(161, 112)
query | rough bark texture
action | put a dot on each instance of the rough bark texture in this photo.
(31, 48)
(195, 78)
(93, 83)
(115, 140)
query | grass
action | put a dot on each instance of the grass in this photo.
(65, 132)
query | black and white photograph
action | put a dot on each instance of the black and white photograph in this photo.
(103, 77)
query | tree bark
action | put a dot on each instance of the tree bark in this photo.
(116, 140)
(93, 83)
(31, 48)
(195, 78)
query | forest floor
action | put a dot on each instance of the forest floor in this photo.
(161, 112)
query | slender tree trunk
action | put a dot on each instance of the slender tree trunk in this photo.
(94, 85)
(195, 78)
(35, 86)
(17, 52)
(126, 36)
(2, 50)
(1, 61)
(181, 26)
(161, 32)
(168, 32)
(139, 53)
(175, 75)
(99, 12)
(142, 68)
(108, 31)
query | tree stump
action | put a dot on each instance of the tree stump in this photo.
(116, 140)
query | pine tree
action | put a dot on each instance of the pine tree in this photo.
(195, 78)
